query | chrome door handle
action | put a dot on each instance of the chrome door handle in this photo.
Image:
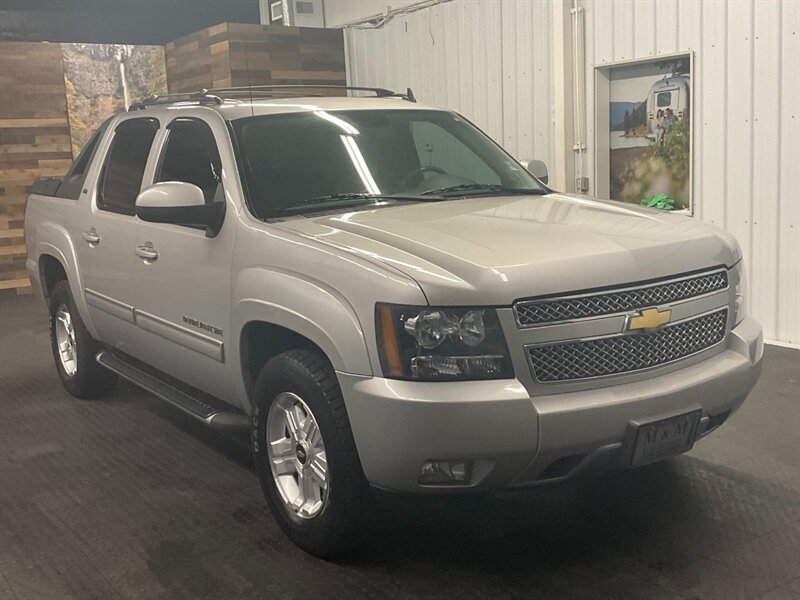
(147, 253)
(91, 237)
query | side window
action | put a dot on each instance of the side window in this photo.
(437, 147)
(72, 184)
(125, 164)
(191, 155)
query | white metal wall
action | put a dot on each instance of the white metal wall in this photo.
(746, 171)
(486, 59)
(492, 61)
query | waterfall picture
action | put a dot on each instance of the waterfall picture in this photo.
(102, 79)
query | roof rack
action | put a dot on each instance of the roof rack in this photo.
(215, 96)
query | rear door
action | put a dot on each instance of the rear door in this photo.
(107, 236)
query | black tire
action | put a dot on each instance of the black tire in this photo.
(89, 380)
(340, 524)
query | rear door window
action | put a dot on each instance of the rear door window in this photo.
(124, 169)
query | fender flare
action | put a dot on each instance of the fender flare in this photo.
(56, 242)
(304, 306)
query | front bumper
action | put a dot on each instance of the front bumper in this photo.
(516, 440)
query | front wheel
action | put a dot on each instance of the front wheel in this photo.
(305, 454)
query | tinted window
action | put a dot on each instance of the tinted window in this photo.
(124, 169)
(664, 99)
(297, 162)
(191, 156)
(73, 181)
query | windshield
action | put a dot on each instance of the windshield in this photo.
(311, 161)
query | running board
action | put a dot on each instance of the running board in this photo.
(215, 417)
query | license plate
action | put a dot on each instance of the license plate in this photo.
(664, 438)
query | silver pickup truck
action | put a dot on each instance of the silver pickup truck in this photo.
(385, 298)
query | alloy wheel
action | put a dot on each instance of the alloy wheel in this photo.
(297, 457)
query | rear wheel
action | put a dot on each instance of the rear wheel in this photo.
(305, 454)
(74, 349)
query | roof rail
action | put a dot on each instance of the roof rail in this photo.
(216, 95)
(201, 97)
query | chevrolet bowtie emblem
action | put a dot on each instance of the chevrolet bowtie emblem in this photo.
(648, 319)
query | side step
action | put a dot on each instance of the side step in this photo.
(213, 416)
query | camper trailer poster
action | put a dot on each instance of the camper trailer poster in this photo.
(649, 137)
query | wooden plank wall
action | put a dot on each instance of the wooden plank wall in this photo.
(233, 54)
(34, 143)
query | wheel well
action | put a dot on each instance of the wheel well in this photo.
(52, 271)
(262, 341)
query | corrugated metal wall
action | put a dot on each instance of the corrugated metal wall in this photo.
(492, 61)
(746, 171)
(488, 60)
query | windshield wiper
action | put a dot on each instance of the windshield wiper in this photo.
(486, 187)
(348, 197)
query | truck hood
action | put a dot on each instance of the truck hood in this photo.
(493, 251)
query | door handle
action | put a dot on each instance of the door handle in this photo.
(91, 237)
(147, 253)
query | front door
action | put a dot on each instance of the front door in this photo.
(181, 282)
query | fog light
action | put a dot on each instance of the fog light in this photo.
(444, 472)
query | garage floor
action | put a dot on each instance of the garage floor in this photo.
(125, 498)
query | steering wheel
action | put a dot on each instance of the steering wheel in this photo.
(406, 181)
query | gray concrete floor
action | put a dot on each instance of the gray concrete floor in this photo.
(125, 498)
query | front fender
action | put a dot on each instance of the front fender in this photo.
(303, 305)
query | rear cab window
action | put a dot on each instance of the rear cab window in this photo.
(72, 185)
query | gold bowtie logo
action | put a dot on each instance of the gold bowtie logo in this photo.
(648, 319)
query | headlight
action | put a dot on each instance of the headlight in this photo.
(434, 344)
(740, 292)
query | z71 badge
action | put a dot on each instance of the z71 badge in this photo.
(201, 325)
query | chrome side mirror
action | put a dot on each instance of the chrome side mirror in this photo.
(536, 168)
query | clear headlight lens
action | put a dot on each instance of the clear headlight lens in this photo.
(740, 292)
(433, 344)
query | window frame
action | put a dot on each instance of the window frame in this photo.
(101, 180)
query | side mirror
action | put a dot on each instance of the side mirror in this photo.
(536, 168)
(179, 203)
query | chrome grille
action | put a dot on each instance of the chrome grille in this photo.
(625, 353)
(538, 312)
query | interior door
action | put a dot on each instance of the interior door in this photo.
(181, 281)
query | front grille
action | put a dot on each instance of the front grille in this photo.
(538, 312)
(626, 353)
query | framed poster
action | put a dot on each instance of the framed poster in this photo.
(643, 112)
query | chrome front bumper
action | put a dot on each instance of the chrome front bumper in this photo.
(517, 440)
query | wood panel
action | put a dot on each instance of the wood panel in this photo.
(233, 54)
(34, 143)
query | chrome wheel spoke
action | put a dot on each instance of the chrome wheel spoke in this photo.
(311, 431)
(291, 422)
(319, 467)
(65, 340)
